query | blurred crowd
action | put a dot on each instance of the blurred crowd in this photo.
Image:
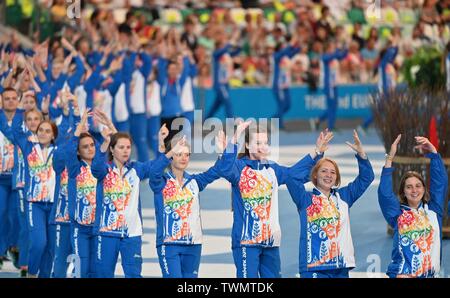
(361, 26)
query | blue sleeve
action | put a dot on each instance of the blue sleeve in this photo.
(156, 177)
(297, 191)
(193, 70)
(390, 55)
(162, 71)
(146, 67)
(99, 167)
(205, 178)
(117, 81)
(293, 51)
(75, 79)
(234, 51)
(227, 165)
(355, 189)
(14, 132)
(300, 171)
(219, 52)
(63, 128)
(281, 53)
(94, 80)
(5, 128)
(341, 54)
(389, 203)
(438, 183)
(128, 67)
(72, 162)
(94, 58)
(186, 71)
(59, 161)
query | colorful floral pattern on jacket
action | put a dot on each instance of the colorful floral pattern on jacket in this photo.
(256, 193)
(7, 155)
(62, 209)
(177, 211)
(416, 239)
(86, 196)
(41, 173)
(116, 195)
(323, 230)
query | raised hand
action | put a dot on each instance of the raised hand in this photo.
(45, 105)
(392, 152)
(424, 145)
(323, 140)
(221, 141)
(82, 126)
(177, 147)
(357, 146)
(101, 118)
(163, 132)
(162, 135)
(239, 130)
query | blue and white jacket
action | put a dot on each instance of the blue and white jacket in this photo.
(325, 237)
(40, 179)
(118, 207)
(416, 250)
(82, 186)
(255, 197)
(328, 71)
(177, 207)
(171, 90)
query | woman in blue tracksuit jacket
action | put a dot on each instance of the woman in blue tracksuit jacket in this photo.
(59, 215)
(386, 82)
(118, 219)
(82, 190)
(328, 78)
(415, 215)
(40, 183)
(221, 78)
(171, 83)
(281, 81)
(177, 211)
(326, 246)
(138, 104)
(256, 233)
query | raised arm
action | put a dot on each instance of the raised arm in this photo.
(438, 173)
(354, 190)
(302, 169)
(389, 203)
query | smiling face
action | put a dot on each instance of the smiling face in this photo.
(258, 146)
(29, 102)
(45, 133)
(414, 191)
(325, 175)
(181, 159)
(32, 120)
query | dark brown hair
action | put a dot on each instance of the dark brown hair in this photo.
(250, 131)
(82, 136)
(53, 126)
(401, 191)
(114, 139)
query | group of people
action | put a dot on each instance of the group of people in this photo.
(80, 196)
